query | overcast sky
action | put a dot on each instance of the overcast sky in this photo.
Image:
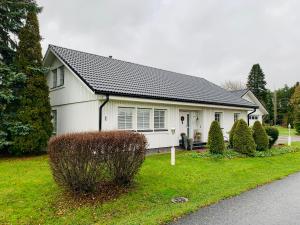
(215, 39)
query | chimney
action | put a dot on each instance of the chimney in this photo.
(110, 56)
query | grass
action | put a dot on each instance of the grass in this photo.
(285, 131)
(30, 196)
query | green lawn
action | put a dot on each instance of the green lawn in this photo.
(285, 131)
(29, 196)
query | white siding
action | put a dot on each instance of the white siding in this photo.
(165, 138)
(258, 112)
(76, 105)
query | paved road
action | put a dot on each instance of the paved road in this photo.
(284, 140)
(277, 203)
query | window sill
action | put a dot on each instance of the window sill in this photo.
(160, 130)
(57, 88)
(145, 130)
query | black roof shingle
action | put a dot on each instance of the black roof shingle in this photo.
(106, 75)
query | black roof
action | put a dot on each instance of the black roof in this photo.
(106, 75)
(240, 93)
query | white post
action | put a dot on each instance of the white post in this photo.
(173, 148)
(289, 138)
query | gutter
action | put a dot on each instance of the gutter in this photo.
(250, 114)
(100, 111)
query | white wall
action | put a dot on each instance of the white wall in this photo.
(165, 138)
(76, 105)
(258, 111)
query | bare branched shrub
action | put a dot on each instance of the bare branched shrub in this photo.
(80, 161)
(125, 156)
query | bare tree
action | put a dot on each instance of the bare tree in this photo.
(233, 85)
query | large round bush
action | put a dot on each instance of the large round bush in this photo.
(273, 134)
(243, 141)
(215, 139)
(260, 137)
(80, 161)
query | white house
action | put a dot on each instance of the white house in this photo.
(90, 92)
(259, 113)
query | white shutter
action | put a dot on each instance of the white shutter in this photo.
(125, 118)
(159, 118)
(143, 119)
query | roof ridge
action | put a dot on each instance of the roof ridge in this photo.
(129, 62)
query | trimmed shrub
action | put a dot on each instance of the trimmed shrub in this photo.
(243, 141)
(124, 154)
(231, 134)
(260, 137)
(273, 134)
(80, 161)
(215, 139)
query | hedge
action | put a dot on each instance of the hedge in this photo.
(81, 161)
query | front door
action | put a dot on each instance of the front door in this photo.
(184, 121)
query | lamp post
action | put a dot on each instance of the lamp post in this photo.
(173, 148)
(289, 138)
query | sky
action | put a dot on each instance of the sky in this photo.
(215, 39)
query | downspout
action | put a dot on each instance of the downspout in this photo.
(250, 114)
(100, 111)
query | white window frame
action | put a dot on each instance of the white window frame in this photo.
(54, 78)
(141, 119)
(160, 128)
(128, 119)
(236, 116)
(54, 121)
(61, 75)
(220, 118)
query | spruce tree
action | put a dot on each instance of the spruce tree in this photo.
(257, 84)
(231, 133)
(35, 106)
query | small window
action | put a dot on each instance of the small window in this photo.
(159, 119)
(218, 117)
(54, 76)
(54, 121)
(236, 116)
(125, 118)
(61, 76)
(254, 117)
(143, 119)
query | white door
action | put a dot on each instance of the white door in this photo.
(184, 123)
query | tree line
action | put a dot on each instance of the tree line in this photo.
(283, 104)
(25, 112)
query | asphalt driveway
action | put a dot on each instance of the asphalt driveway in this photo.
(277, 203)
(284, 140)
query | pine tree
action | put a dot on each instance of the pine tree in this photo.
(257, 84)
(35, 106)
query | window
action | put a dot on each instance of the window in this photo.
(218, 117)
(54, 73)
(54, 121)
(61, 76)
(125, 118)
(159, 119)
(143, 119)
(253, 117)
(236, 116)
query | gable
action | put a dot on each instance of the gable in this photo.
(73, 90)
